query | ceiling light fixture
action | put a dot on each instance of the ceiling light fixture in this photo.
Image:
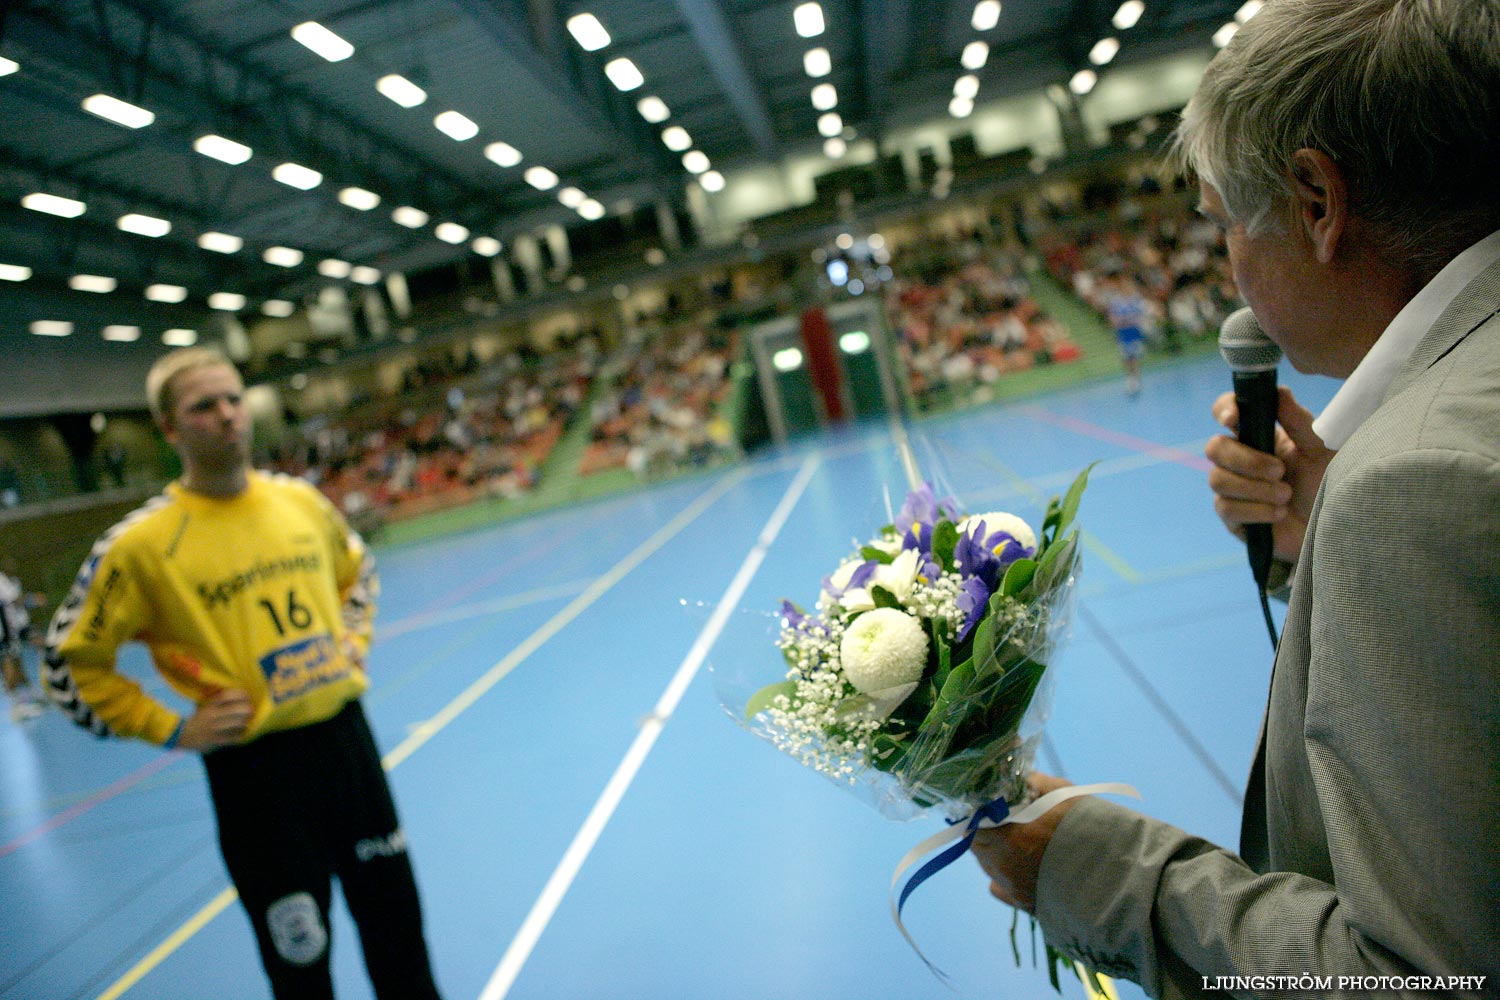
(653, 109)
(8, 66)
(121, 333)
(975, 55)
(1083, 81)
(540, 178)
(966, 86)
(144, 225)
(623, 74)
(92, 283)
(51, 328)
(1103, 51)
(588, 32)
(364, 275)
(502, 154)
(222, 149)
(226, 301)
(322, 41)
(450, 232)
(572, 197)
(166, 293)
(456, 126)
(486, 246)
(825, 97)
(817, 62)
(1224, 34)
(401, 90)
(14, 272)
(53, 204)
(830, 125)
(676, 138)
(113, 109)
(359, 198)
(179, 337)
(297, 176)
(332, 267)
(591, 209)
(712, 181)
(411, 218)
(278, 308)
(835, 148)
(961, 107)
(695, 161)
(808, 19)
(1247, 10)
(986, 15)
(1129, 13)
(221, 243)
(282, 256)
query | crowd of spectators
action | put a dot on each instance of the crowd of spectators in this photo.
(966, 316)
(659, 402)
(1173, 258)
(477, 436)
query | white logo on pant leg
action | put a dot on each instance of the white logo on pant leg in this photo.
(381, 847)
(297, 928)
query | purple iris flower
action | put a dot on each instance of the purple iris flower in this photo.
(860, 577)
(925, 506)
(919, 537)
(790, 616)
(976, 557)
(972, 600)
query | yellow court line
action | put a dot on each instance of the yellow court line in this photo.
(1110, 993)
(158, 954)
(427, 730)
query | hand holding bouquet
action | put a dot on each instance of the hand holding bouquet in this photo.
(922, 673)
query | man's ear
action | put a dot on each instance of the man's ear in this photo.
(1320, 201)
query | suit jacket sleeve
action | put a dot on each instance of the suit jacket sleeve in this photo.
(1401, 737)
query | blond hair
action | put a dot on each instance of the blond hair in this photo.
(1404, 95)
(167, 367)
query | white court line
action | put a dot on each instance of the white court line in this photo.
(452, 616)
(578, 851)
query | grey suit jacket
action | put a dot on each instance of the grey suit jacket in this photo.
(1371, 835)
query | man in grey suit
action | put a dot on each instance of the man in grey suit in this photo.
(1351, 151)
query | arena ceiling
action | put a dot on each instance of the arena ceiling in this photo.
(732, 73)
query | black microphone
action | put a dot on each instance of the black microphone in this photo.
(1253, 357)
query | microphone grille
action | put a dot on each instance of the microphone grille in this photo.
(1245, 345)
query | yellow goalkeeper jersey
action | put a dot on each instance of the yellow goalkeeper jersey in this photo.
(269, 592)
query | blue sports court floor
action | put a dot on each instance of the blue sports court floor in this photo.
(587, 822)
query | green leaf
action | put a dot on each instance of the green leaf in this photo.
(1018, 576)
(762, 699)
(944, 539)
(878, 555)
(1056, 564)
(1075, 496)
(884, 599)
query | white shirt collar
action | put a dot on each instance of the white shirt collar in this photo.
(1365, 388)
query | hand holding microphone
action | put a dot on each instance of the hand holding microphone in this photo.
(1264, 479)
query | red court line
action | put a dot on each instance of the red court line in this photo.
(98, 798)
(1092, 430)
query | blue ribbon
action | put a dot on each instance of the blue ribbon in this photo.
(993, 811)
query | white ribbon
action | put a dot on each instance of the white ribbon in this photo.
(1032, 811)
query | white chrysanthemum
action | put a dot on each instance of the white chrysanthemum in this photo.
(1000, 521)
(883, 648)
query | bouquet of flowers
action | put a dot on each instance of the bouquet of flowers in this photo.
(922, 672)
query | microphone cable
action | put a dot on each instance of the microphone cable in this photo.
(1265, 607)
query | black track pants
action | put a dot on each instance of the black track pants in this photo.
(297, 809)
